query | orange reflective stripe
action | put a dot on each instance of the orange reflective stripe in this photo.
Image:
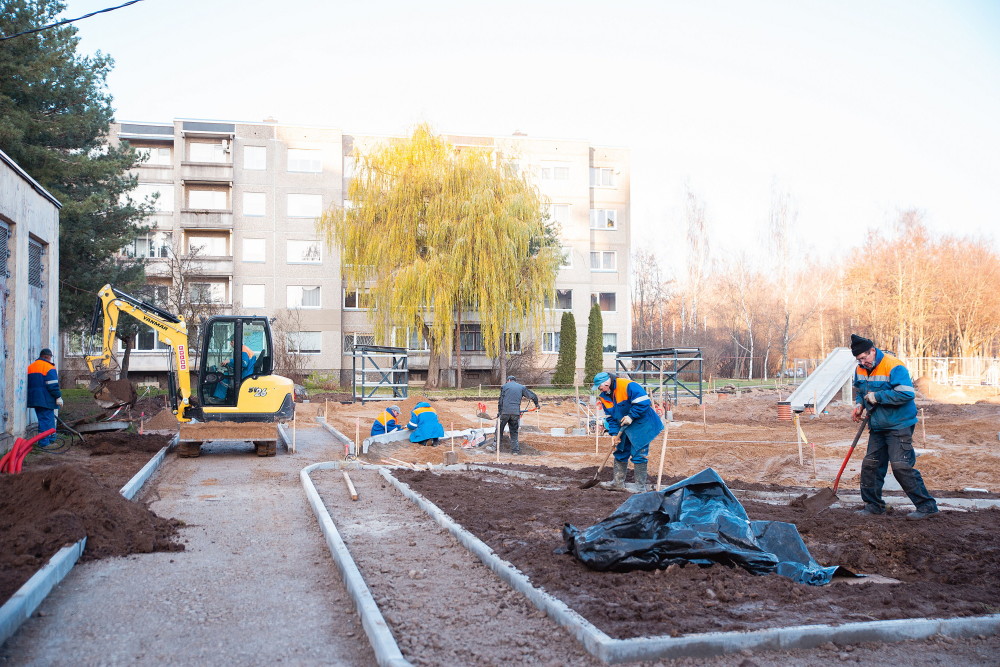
(621, 390)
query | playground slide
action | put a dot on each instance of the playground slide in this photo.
(824, 383)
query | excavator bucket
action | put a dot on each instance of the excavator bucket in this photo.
(111, 394)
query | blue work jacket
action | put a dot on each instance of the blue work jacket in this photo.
(424, 423)
(43, 385)
(893, 388)
(385, 423)
(627, 397)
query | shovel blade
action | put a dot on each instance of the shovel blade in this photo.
(819, 501)
(589, 483)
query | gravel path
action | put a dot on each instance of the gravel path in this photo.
(255, 586)
(444, 606)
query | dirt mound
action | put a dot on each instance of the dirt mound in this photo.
(102, 444)
(43, 511)
(164, 420)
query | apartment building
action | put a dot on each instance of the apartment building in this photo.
(238, 203)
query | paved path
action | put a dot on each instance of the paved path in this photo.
(255, 586)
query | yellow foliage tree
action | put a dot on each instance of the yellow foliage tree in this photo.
(434, 231)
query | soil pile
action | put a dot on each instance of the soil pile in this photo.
(105, 444)
(946, 566)
(164, 420)
(42, 511)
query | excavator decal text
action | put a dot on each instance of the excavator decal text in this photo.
(182, 361)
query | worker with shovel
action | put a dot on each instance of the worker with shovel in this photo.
(883, 385)
(630, 412)
(509, 410)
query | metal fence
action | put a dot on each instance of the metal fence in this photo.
(956, 370)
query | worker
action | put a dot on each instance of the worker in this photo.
(386, 422)
(630, 414)
(884, 388)
(425, 425)
(224, 388)
(43, 393)
(509, 409)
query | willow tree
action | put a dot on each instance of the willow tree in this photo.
(434, 231)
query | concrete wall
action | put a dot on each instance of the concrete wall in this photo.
(29, 296)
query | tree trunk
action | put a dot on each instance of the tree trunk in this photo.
(433, 361)
(458, 349)
(503, 362)
(123, 371)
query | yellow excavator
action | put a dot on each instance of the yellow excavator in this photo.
(236, 396)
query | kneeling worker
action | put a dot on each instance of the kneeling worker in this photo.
(627, 407)
(425, 425)
(386, 422)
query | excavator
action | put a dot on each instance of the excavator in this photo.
(236, 397)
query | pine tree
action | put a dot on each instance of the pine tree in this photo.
(566, 366)
(594, 359)
(434, 231)
(55, 114)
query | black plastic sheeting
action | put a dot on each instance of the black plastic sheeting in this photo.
(699, 521)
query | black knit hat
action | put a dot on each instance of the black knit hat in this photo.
(860, 345)
(46, 352)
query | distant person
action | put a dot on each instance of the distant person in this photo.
(884, 387)
(425, 425)
(386, 422)
(223, 390)
(509, 410)
(627, 406)
(43, 393)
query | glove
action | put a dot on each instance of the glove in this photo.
(870, 397)
(59, 402)
(626, 420)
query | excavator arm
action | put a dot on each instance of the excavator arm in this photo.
(172, 330)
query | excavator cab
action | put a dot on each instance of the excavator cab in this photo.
(236, 382)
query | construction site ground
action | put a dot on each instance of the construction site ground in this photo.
(255, 584)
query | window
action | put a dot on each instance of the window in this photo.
(603, 260)
(603, 218)
(602, 177)
(73, 344)
(303, 296)
(512, 342)
(208, 292)
(215, 200)
(301, 159)
(350, 167)
(355, 300)
(35, 267)
(564, 300)
(567, 257)
(144, 341)
(554, 171)
(157, 244)
(253, 250)
(254, 203)
(559, 213)
(305, 342)
(605, 299)
(353, 339)
(410, 338)
(204, 151)
(254, 157)
(158, 155)
(158, 295)
(253, 296)
(304, 252)
(610, 342)
(304, 206)
(471, 338)
(164, 202)
(208, 246)
(550, 341)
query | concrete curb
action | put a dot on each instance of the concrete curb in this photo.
(23, 603)
(337, 435)
(387, 652)
(609, 650)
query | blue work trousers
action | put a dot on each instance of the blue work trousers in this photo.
(895, 447)
(46, 420)
(626, 450)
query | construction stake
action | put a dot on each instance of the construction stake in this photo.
(350, 486)
(798, 437)
(663, 452)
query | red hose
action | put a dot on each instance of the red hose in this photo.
(13, 460)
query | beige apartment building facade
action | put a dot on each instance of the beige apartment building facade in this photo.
(235, 214)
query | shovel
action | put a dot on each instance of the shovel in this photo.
(593, 482)
(827, 497)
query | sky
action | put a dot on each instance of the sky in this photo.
(856, 109)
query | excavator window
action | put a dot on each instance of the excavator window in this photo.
(235, 348)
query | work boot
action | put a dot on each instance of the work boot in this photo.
(618, 483)
(868, 511)
(640, 477)
(918, 515)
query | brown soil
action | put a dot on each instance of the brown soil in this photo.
(44, 510)
(947, 565)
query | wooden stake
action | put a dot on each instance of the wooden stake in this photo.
(923, 426)
(294, 423)
(326, 410)
(357, 435)
(350, 486)
(496, 437)
(453, 436)
(798, 437)
(663, 453)
(704, 418)
(576, 391)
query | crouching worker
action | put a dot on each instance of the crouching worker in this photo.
(630, 413)
(425, 425)
(386, 422)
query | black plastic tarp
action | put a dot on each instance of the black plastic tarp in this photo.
(699, 521)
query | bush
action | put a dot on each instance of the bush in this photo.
(594, 359)
(566, 366)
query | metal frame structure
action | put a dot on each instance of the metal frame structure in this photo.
(659, 371)
(395, 377)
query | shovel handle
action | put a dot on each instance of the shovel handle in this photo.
(857, 436)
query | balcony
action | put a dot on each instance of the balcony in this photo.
(193, 218)
(207, 172)
(208, 266)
